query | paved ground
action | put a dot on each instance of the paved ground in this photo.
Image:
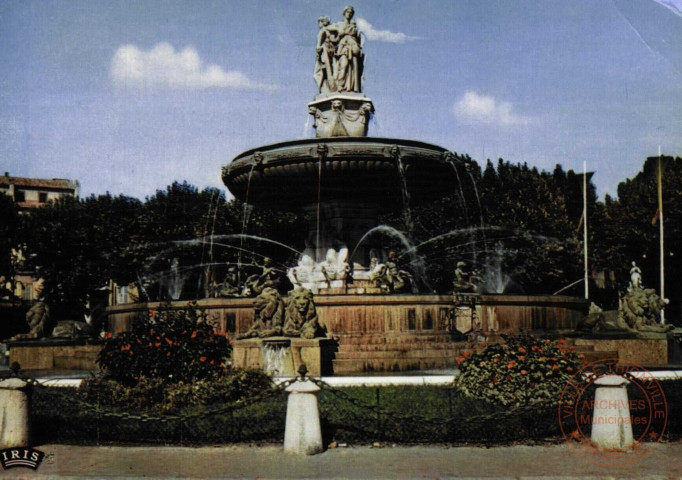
(547, 461)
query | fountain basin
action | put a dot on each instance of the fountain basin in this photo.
(361, 169)
(375, 333)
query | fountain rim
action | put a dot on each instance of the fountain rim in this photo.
(386, 141)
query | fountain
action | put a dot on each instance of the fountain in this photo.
(342, 181)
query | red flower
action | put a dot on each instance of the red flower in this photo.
(571, 348)
(555, 367)
(202, 359)
(522, 350)
(131, 353)
(570, 369)
(460, 360)
(581, 356)
(467, 354)
(512, 364)
(153, 313)
(194, 335)
(109, 335)
(522, 359)
(484, 345)
(562, 341)
(157, 344)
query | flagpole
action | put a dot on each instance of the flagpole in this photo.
(660, 228)
(587, 286)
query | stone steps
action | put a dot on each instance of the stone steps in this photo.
(343, 367)
(397, 354)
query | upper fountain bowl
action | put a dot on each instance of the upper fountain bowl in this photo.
(294, 174)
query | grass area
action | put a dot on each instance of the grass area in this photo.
(407, 415)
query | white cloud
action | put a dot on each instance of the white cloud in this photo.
(674, 6)
(382, 35)
(486, 110)
(163, 67)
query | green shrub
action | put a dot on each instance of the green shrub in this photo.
(175, 345)
(159, 395)
(524, 371)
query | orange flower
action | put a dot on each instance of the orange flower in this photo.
(523, 372)
(212, 362)
(522, 359)
(522, 350)
(109, 335)
(460, 360)
(202, 359)
(119, 331)
(512, 364)
(131, 353)
(570, 369)
(194, 335)
(496, 360)
(571, 348)
(169, 341)
(484, 345)
(562, 341)
(157, 344)
(581, 356)
(542, 359)
(168, 354)
(555, 367)
(153, 313)
(467, 354)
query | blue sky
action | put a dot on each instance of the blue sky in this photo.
(127, 96)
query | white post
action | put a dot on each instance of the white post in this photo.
(587, 283)
(14, 421)
(303, 434)
(611, 421)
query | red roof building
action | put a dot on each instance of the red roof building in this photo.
(36, 192)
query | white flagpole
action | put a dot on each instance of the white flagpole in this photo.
(587, 286)
(660, 227)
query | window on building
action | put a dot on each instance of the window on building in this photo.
(411, 319)
(19, 196)
(42, 197)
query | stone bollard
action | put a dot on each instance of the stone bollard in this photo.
(611, 423)
(303, 434)
(14, 409)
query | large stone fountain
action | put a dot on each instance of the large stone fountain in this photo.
(342, 180)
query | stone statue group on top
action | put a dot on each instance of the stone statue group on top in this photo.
(340, 61)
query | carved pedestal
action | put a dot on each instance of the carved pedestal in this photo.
(283, 356)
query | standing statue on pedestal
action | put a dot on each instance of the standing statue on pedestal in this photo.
(639, 311)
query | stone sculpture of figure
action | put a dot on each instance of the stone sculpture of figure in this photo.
(301, 315)
(268, 278)
(398, 280)
(639, 311)
(324, 69)
(464, 281)
(230, 285)
(341, 42)
(635, 276)
(389, 277)
(268, 315)
(38, 316)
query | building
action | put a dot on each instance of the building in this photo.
(36, 192)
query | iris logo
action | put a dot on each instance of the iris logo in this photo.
(21, 457)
